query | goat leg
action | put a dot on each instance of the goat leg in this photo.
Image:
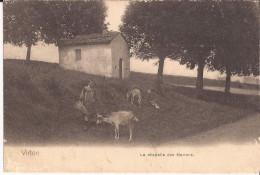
(116, 132)
(130, 132)
(139, 101)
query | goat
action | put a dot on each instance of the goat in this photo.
(134, 93)
(120, 118)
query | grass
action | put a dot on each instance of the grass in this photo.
(39, 99)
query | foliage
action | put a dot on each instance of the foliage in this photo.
(27, 22)
(238, 45)
(66, 19)
(197, 35)
(202, 33)
(149, 29)
(22, 22)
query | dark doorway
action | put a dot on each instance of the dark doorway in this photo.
(120, 68)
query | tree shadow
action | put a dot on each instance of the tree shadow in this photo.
(250, 102)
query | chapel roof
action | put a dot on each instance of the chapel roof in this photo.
(97, 38)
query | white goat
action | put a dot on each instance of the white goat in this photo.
(120, 118)
(134, 93)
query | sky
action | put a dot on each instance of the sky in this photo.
(116, 9)
(115, 12)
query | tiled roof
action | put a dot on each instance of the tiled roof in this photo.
(97, 38)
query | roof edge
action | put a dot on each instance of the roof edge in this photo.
(62, 42)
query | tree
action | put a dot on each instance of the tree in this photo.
(198, 35)
(27, 22)
(22, 23)
(206, 34)
(237, 49)
(228, 35)
(65, 19)
(149, 30)
(181, 30)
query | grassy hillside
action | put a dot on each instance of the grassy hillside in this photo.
(39, 99)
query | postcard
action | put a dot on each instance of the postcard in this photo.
(131, 86)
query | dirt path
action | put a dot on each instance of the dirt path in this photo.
(246, 131)
(232, 90)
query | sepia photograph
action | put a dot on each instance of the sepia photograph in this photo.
(110, 86)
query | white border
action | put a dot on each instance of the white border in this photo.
(2, 112)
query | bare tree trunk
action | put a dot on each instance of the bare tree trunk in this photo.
(28, 55)
(160, 69)
(159, 80)
(199, 82)
(228, 79)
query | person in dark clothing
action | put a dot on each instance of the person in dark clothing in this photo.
(87, 97)
(90, 101)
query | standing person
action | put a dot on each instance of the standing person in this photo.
(89, 99)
